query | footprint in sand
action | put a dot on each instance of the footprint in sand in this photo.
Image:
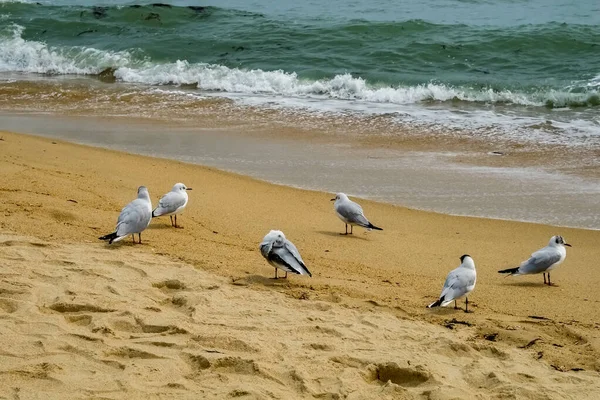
(8, 306)
(129, 352)
(81, 320)
(63, 307)
(171, 284)
(406, 377)
(224, 343)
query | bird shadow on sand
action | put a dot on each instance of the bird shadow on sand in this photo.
(338, 234)
(122, 243)
(449, 310)
(161, 226)
(261, 280)
(527, 284)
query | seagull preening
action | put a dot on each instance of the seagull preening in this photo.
(459, 282)
(134, 218)
(351, 213)
(282, 254)
(172, 203)
(543, 260)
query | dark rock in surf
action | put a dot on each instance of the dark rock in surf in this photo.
(190, 86)
(107, 75)
(161, 5)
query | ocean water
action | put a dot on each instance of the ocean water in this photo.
(523, 70)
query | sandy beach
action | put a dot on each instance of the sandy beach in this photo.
(192, 313)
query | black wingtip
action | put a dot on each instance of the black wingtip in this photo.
(436, 303)
(509, 271)
(371, 226)
(153, 216)
(110, 237)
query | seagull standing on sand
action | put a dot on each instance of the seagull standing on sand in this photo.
(351, 213)
(134, 218)
(172, 203)
(543, 260)
(459, 282)
(282, 254)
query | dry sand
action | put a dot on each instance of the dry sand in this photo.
(192, 313)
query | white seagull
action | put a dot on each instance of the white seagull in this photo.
(351, 213)
(282, 254)
(459, 282)
(543, 260)
(172, 203)
(134, 218)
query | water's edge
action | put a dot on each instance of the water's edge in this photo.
(419, 180)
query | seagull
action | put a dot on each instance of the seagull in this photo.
(172, 203)
(459, 282)
(282, 254)
(543, 260)
(134, 218)
(351, 213)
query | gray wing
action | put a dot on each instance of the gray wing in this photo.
(353, 213)
(134, 218)
(540, 261)
(456, 284)
(265, 249)
(169, 203)
(289, 257)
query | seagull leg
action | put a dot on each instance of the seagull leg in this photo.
(455, 305)
(275, 273)
(544, 278)
(346, 230)
(351, 226)
(467, 305)
(176, 221)
(133, 237)
(285, 277)
(140, 236)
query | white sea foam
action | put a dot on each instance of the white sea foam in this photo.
(344, 86)
(20, 55)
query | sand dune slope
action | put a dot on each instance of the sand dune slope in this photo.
(84, 321)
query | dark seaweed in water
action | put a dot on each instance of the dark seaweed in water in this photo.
(161, 5)
(152, 16)
(87, 31)
(99, 12)
(198, 9)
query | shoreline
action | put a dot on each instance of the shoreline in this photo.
(445, 181)
(66, 195)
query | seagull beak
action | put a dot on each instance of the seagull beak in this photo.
(567, 244)
(188, 188)
(332, 200)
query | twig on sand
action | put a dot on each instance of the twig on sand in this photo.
(531, 343)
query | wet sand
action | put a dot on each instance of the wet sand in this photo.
(471, 181)
(192, 311)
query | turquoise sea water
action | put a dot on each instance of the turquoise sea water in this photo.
(526, 69)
